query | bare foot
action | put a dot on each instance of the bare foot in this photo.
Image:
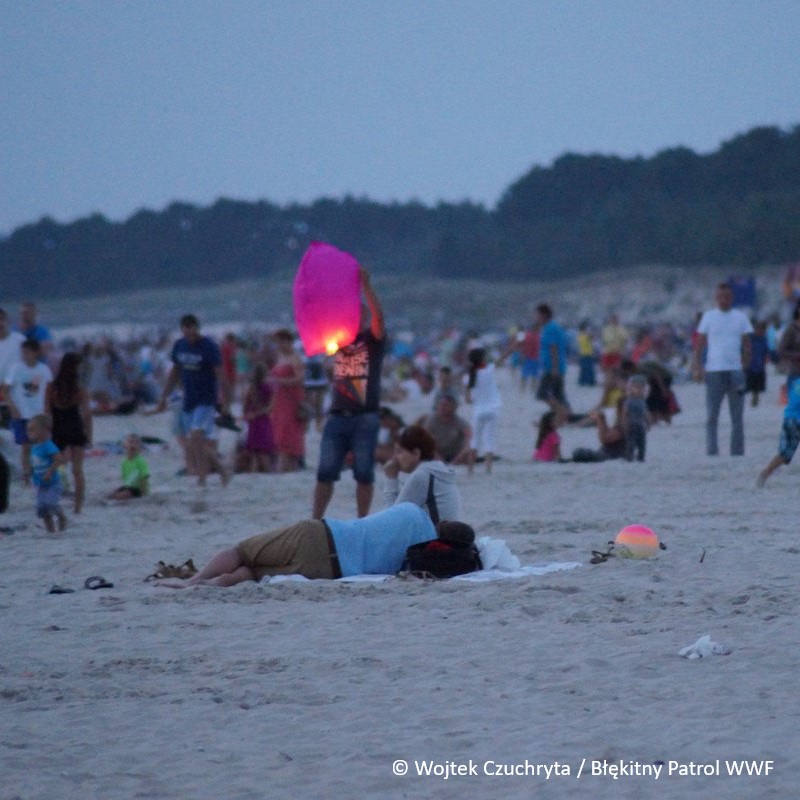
(171, 583)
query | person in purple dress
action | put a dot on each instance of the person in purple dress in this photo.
(258, 401)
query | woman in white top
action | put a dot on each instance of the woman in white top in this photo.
(415, 455)
(483, 394)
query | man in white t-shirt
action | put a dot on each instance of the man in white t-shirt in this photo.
(723, 337)
(25, 386)
(10, 342)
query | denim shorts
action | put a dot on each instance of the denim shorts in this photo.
(20, 430)
(357, 433)
(48, 500)
(200, 418)
(790, 438)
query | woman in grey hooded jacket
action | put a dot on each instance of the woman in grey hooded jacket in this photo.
(430, 484)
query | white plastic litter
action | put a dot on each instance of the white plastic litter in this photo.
(495, 554)
(704, 647)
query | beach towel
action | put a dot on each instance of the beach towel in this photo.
(484, 576)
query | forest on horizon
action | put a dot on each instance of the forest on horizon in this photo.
(738, 206)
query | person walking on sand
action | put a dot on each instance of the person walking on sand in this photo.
(197, 365)
(553, 344)
(723, 335)
(482, 392)
(10, 343)
(352, 424)
(790, 433)
(67, 403)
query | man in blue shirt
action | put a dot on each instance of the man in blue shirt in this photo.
(30, 328)
(553, 357)
(329, 548)
(197, 365)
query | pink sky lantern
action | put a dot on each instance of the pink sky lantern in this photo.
(327, 299)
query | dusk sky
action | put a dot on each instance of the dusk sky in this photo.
(111, 106)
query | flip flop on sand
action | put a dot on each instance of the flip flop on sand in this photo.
(598, 557)
(56, 589)
(96, 582)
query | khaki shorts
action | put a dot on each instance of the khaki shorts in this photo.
(300, 549)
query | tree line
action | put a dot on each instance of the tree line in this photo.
(737, 206)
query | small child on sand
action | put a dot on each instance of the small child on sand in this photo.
(548, 442)
(135, 471)
(790, 433)
(46, 458)
(483, 394)
(635, 418)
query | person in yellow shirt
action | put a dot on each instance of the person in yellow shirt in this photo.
(615, 338)
(586, 356)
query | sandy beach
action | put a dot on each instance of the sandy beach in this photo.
(325, 689)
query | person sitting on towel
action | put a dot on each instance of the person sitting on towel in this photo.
(328, 548)
(415, 454)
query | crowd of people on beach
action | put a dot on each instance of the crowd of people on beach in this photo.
(262, 387)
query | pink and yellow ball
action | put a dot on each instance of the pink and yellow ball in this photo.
(636, 541)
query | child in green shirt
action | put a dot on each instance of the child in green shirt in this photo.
(135, 472)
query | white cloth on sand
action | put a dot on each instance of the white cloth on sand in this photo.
(704, 647)
(499, 563)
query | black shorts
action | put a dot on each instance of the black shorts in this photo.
(551, 387)
(134, 491)
(756, 381)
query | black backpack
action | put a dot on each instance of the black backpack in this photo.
(440, 558)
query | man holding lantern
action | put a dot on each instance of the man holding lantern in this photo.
(352, 424)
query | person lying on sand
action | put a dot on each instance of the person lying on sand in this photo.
(328, 548)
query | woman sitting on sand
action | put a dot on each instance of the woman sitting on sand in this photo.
(415, 454)
(329, 548)
(611, 437)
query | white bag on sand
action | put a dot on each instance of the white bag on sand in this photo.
(495, 554)
(704, 647)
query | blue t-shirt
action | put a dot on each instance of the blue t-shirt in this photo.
(197, 364)
(792, 410)
(37, 332)
(42, 457)
(553, 334)
(377, 544)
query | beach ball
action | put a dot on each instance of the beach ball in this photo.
(327, 299)
(636, 541)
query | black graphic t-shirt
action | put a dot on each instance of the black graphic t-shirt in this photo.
(357, 375)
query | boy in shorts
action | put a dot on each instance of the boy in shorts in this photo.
(790, 434)
(46, 458)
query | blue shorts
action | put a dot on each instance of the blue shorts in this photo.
(20, 429)
(790, 438)
(342, 434)
(48, 500)
(200, 418)
(530, 368)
